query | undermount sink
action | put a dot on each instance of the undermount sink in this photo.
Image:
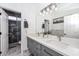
(57, 44)
(53, 40)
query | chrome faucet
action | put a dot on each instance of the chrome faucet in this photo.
(59, 36)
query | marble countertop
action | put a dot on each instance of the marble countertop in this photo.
(53, 43)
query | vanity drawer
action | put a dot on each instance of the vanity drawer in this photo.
(48, 52)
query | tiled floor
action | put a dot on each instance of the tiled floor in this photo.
(16, 51)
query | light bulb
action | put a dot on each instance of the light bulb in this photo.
(44, 12)
(56, 9)
(48, 9)
(53, 7)
(40, 13)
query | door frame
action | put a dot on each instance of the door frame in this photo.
(4, 47)
(20, 17)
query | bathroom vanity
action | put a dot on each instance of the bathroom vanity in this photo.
(50, 46)
(38, 49)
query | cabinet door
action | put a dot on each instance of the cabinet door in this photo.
(30, 45)
(34, 47)
(48, 52)
(37, 48)
(43, 52)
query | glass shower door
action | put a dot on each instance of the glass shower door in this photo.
(14, 32)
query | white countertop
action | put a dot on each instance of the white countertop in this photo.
(53, 43)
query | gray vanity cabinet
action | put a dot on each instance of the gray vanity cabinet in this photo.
(38, 49)
(33, 46)
(30, 45)
(48, 52)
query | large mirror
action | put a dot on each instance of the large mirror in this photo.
(67, 26)
(71, 25)
(58, 26)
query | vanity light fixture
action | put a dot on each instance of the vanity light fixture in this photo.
(49, 8)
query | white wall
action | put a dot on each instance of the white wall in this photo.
(28, 12)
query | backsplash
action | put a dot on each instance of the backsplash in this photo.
(57, 32)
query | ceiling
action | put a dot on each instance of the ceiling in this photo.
(63, 6)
